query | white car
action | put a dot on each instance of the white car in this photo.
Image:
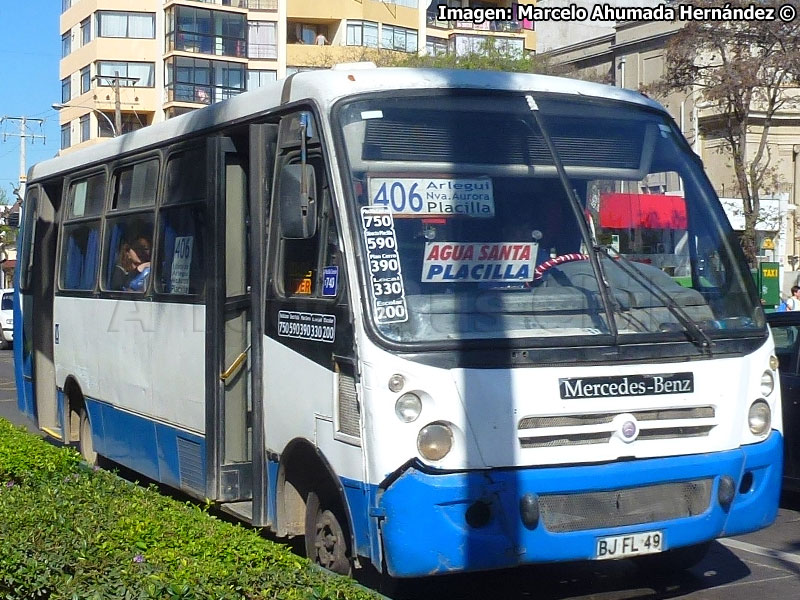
(6, 318)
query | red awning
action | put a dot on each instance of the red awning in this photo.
(642, 211)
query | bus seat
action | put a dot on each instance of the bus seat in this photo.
(74, 264)
(113, 251)
(90, 261)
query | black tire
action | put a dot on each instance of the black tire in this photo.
(326, 539)
(4, 343)
(85, 444)
(677, 559)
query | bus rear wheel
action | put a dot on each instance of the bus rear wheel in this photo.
(85, 444)
(326, 540)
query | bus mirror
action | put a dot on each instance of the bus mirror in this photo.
(298, 201)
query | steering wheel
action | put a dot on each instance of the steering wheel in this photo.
(539, 271)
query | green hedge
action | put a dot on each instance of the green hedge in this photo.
(68, 531)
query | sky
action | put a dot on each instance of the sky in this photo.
(30, 49)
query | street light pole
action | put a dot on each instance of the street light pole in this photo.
(59, 106)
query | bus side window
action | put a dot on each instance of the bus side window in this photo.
(79, 256)
(80, 252)
(128, 253)
(181, 225)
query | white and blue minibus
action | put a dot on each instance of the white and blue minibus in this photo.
(436, 321)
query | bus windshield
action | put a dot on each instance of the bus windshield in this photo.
(469, 231)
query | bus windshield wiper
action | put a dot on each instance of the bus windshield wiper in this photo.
(697, 334)
(609, 304)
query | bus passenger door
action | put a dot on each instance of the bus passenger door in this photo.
(34, 334)
(228, 320)
(23, 306)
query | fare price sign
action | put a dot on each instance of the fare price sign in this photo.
(386, 280)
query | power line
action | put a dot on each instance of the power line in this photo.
(23, 135)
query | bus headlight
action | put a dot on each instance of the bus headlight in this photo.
(767, 383)
(435, 441)
(408, 407)
(759, 417)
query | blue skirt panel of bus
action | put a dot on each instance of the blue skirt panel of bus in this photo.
(425, 530)
(157, 450)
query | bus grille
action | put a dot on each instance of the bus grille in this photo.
(348, 406)
(583, 429)
(563, 513)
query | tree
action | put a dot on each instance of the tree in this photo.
(8, 234)
(488, 56)
(746, 71)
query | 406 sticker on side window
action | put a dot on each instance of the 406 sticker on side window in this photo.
(465, 197)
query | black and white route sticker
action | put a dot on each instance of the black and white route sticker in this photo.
(386, 280)
(307, 326)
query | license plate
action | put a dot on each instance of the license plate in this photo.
(634, 544)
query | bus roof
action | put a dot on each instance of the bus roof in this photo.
(326, 86)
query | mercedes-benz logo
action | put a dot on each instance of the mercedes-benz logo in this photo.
(628, 429)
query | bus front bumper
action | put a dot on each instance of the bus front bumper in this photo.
(470, 521)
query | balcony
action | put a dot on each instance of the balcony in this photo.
(502, 26)
(199, 93)
(231, 3)
(251, 4)
(202, 43)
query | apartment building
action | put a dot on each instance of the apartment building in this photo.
(126, 64)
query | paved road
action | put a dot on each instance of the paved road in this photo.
(761, 566)
(8, 392)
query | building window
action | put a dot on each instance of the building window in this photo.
(65, 135)
(362, 33)
(258, 78)
(66, 5)
(66, 89)
(131, 74)
(462, 45)
(203, 81)
(86, 79)
(85, 128)
(177, 111)
(436, 46)
(126, 25)
(130, 122)
(398, 38)
(66, 44)
(204, 31)
(305, 33)
(86, 31)
(262, 4)
(262, 39)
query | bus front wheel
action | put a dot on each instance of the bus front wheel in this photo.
(326, 540)
(85, 444)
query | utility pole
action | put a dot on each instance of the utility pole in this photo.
(23, 138)
(117, 103)
(115, 79)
